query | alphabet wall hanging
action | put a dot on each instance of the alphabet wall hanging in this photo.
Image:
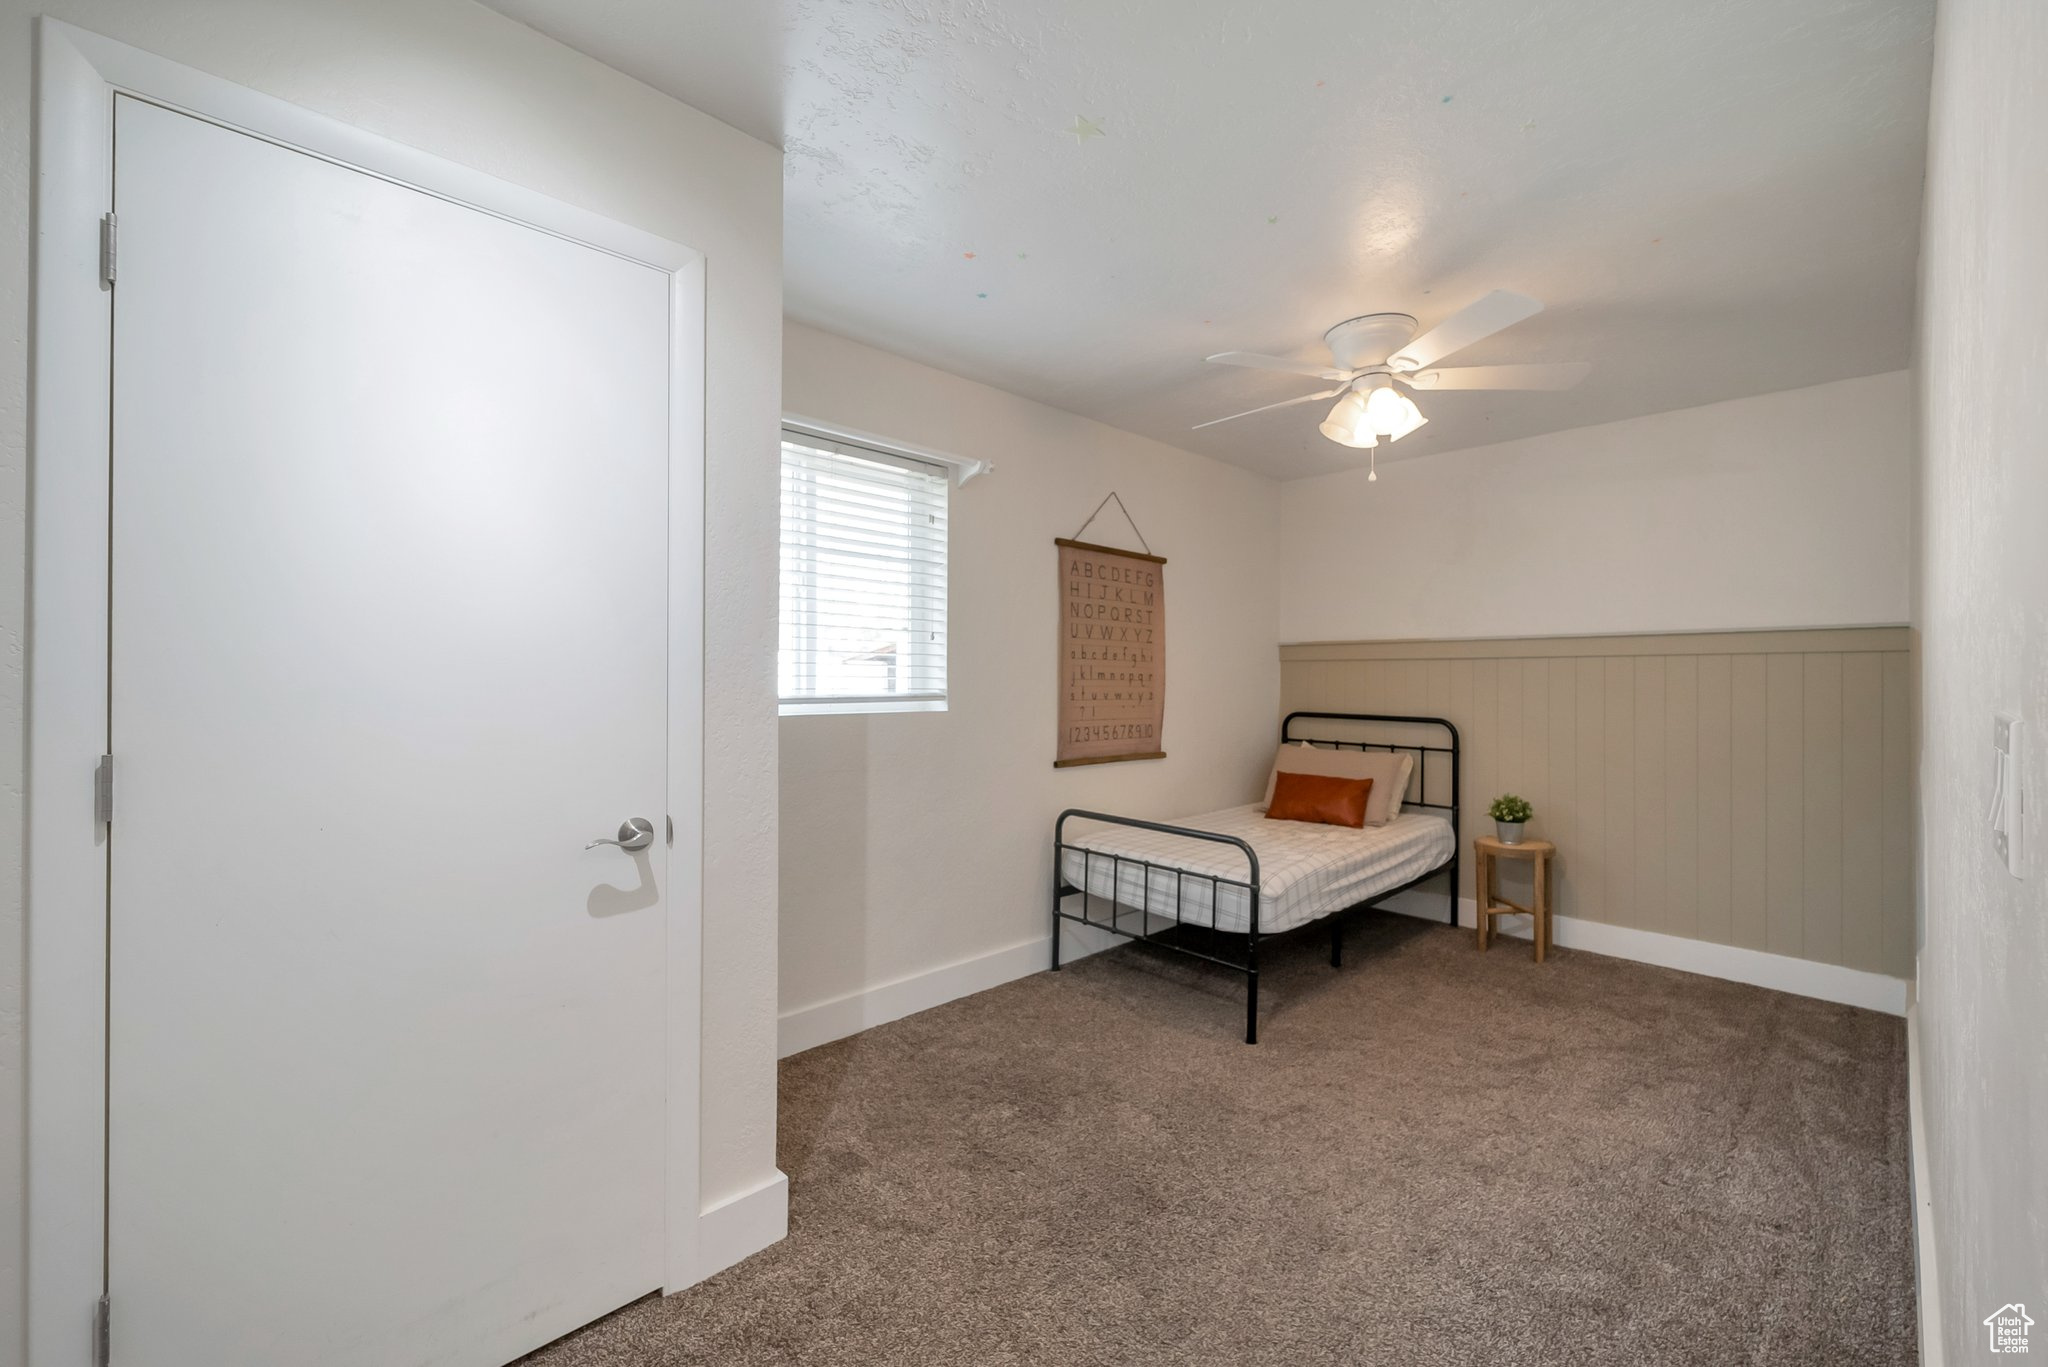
(1112, 649)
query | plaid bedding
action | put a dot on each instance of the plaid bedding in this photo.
(1305, 870)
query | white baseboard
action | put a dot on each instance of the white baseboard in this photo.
(741, 1226)
(1926, 1271)
(807, 1027)
(1780, 972)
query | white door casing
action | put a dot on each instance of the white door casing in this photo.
(228, 835)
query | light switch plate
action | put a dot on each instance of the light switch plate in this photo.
(2008, 794)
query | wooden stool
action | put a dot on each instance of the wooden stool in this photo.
(1484, 851)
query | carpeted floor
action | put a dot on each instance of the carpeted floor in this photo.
(1433, 1156)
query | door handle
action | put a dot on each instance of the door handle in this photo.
(635, 833)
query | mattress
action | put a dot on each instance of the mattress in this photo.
(1305, 870)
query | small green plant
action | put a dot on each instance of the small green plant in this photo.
(1508, 807)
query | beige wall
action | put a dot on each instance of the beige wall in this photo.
(1781, 510)
(1750, 789)
(911, 841)
(1983, 618)
(461, 82)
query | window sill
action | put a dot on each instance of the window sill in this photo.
(827, 708)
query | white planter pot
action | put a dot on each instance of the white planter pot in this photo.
(1510, 831)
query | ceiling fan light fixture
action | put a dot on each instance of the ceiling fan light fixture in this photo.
(1411, 420)
(1348, 425)
(1391, 413)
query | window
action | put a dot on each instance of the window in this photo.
(863, 579)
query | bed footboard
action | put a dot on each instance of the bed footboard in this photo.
(1115, 920)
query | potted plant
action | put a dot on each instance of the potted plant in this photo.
(1508, 813)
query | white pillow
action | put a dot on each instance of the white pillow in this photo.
(1401, 789)
(1388, 771)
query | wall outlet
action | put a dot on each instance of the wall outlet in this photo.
(2008, 816)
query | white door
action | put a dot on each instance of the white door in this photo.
(389, 553)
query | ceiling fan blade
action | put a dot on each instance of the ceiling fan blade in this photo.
(1279, 363)
(1284, 403)
(1475, 322)
(1562, 375)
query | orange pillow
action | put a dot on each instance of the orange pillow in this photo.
(1319, 798)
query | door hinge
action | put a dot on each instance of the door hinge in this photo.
(103, 790)
(102, 1336)
(110, 248)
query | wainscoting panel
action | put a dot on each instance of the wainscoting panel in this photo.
(1751, 789)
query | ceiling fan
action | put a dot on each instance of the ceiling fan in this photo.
(1379, 356)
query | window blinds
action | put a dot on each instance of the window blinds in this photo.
(863, 575)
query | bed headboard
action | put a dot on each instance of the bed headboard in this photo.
(1432, 740)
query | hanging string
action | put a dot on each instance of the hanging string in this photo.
(1127, 517)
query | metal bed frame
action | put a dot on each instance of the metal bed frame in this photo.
(1248, 965)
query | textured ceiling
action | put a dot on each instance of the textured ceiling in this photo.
(1713, 197)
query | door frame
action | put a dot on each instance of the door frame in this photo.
(78, 76)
